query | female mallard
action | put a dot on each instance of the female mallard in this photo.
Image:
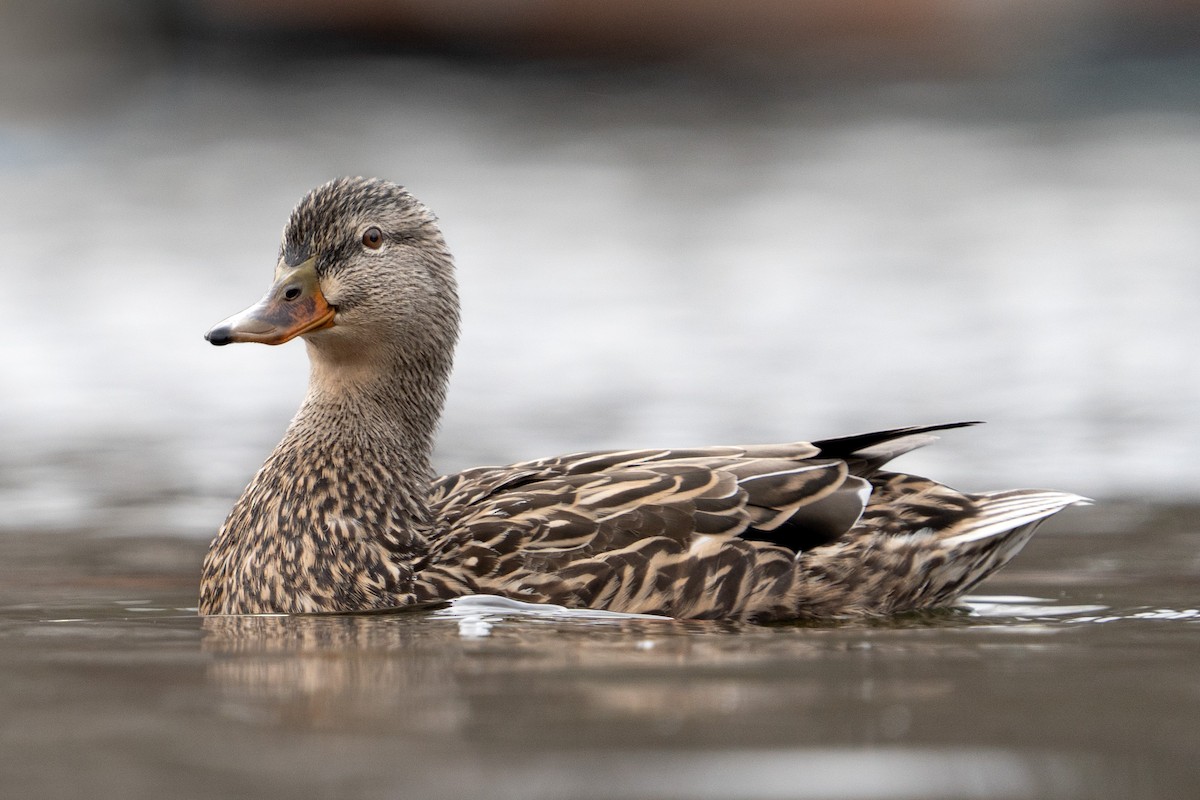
(345, 514)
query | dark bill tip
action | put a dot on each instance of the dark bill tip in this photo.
(220, 335)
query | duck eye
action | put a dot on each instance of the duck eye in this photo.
(373, 238)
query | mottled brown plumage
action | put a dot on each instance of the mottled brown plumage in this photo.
(345, 516)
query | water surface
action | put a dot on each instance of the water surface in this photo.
(1073, 677)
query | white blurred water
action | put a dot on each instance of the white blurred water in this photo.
(644, 260)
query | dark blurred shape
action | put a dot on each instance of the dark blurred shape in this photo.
(845, 38)
(67, 54)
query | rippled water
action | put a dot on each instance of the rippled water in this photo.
(1076, 678)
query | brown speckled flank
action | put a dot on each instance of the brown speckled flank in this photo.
(345, 516)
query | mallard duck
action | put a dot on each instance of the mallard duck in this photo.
(346, 515)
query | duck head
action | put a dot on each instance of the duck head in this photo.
(363, 275)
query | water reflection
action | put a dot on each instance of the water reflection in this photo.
(1017, 696)
(546, 706)
(465, 669)
(890, 773)
(431, 671)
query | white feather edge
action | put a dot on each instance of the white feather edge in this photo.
(1006, 511)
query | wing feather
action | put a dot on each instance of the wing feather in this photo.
(710, 532)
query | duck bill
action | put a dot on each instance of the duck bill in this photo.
(292, 307)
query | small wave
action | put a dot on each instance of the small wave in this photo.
(478, 614)
(1009, 606)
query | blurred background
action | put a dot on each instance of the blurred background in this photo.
(676, 223)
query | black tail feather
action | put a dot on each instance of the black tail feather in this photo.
(867, 452)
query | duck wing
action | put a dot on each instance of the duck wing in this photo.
(695, 532)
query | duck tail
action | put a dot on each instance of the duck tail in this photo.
(919, 545)
(982, 543)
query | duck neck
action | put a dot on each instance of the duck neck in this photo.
(344, 494)
(379, 415)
